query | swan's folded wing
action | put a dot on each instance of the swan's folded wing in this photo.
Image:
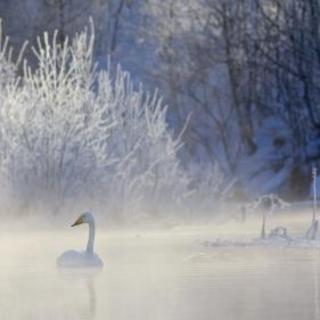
(75, 259)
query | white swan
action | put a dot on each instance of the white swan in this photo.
(82, 259)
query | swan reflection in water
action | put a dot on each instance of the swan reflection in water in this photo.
(83, 280)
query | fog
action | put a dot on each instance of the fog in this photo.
(184, 214)
(160, 273)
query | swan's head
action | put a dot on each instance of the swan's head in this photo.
(86, 217)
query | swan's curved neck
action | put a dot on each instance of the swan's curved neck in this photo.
(92, 231)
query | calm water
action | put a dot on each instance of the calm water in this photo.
(156, 276)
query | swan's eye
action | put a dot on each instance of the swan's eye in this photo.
(78, 221)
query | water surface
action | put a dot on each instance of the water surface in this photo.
(158, 276)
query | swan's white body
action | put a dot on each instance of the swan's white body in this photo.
(82, 259)
(79, 259)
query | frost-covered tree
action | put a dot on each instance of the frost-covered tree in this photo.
(70, 132)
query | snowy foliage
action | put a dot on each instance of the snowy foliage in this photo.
(71, 132)
(227, 67)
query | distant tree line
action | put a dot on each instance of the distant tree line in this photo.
(235, 65)
(236, 72)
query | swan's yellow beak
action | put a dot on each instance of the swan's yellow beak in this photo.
(77, 222)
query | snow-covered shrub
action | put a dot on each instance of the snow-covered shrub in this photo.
(69, 131)
(146, 169)
(54, 130)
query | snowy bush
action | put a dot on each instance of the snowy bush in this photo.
(69, 131)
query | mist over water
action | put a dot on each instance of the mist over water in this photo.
(159, 274)
(181, 173)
